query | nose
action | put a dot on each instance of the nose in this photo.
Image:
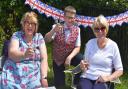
(100, 30)
(30, 25)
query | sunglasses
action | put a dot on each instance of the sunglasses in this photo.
(102, 29)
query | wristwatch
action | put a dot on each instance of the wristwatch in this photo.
(44, 77)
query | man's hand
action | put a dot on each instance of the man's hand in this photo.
(68, 61)
(58, 28)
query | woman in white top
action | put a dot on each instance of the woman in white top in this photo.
(101, 55)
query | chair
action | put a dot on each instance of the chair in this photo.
(73, 71)
(77, 70)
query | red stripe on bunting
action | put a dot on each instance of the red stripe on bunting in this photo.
(84, 22)
(58, 15)
(36, 5)
(118, 20)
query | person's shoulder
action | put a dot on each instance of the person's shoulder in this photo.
(18, 33)
(93, 40)
(38, 34)
(76, 26)
(112, 42)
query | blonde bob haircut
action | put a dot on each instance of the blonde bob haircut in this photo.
(32, 17)
(100, 21)
(69, 9)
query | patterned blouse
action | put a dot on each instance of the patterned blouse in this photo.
(24, 74)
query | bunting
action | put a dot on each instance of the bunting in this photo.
(85, 21)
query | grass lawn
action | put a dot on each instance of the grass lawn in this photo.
(124, 78)
(124, 82)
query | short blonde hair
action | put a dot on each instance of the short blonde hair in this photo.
(69, 9)
(32, 16)
(100, 21)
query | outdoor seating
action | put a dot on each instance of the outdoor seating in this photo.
(77, 70)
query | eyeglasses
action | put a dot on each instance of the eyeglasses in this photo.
(102, 29)
(29, 23)
(70, 17)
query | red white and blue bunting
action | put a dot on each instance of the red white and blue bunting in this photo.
(55, 13)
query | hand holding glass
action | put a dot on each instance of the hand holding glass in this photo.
(84, 65)
(29, 54)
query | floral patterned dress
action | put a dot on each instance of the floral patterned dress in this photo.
(24, 74)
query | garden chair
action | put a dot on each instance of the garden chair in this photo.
(77, 70)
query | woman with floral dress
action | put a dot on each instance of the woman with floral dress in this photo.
(26, 67)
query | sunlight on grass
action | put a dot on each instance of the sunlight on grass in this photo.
(124, 82)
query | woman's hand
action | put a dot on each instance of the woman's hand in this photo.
(29, 52)
(44, 82)
(103, 79)
(84, 65)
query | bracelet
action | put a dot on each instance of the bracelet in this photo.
(44, 77)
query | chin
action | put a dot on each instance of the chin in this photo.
(30, 34)
(101, 37)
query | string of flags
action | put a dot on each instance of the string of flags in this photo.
(85, 21)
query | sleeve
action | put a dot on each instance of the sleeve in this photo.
(117, 58)
(40, 39)
(16, 36)
(86, 51)
(78, 40)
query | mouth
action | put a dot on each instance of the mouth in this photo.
(30, 30)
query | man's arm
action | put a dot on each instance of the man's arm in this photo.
(71, 55)
(50, 35)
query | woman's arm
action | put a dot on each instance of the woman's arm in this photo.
(14, 52)
(110, 78)
(44, 65)
(115, 75)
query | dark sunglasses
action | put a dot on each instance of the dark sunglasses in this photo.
(102, 29)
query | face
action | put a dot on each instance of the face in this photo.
(29, 27)
(100, 31)
(69, 18)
